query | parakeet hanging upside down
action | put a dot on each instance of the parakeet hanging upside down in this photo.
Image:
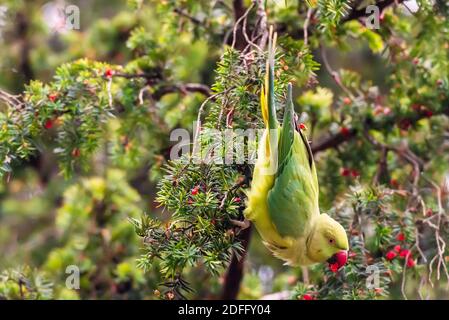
(283, 198)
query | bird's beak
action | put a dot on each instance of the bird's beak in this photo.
(339, 259)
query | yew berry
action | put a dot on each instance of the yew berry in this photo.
(333, 267)
(307, 297)
(194, 191)
(394, 183)
(76, 153)
(404, 253)
(428, 113)
(345, 131)
(109, 73)
(345, 172)
(390, 255)
(400, 237)
(410, 263)
(49, 124)
(405, 124)
(397, 248)
(355, 173)
(347, 101)
(302, 126)
(237, 200)
(52, 97)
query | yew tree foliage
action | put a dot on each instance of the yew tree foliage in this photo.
(374, 103)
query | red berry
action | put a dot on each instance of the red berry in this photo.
(307, 297)
(352, 254)
(400, 237)
(404, 253)
(397, 248)
(345, 172)
(429, 212)
(194, 191)
(410, 263)
(355, 173)
(345, 131)
(347, 101)
(394, 183)
(415, 61)
(333, 267)
(302, 126)
(405, 124)
(428, 113)
(52, 97)
(390, 255)
(109, 73)
(237, 200)
(49, 124)
(190, 201)
(76, 153)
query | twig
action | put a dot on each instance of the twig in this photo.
(234, 32)
(188, 16)
(334, 74)
(306, 25)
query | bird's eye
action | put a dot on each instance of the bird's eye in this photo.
(331, 241)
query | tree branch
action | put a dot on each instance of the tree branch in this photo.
(234, 275)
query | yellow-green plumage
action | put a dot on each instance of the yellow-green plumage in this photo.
(283, 199)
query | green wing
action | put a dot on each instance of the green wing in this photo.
(293, 198)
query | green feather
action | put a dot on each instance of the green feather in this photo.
(293, 199)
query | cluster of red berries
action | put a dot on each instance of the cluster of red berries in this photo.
(401, 252)
(346, 172)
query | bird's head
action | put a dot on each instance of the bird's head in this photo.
(328, 242)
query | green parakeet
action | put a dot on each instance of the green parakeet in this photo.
(283, 198)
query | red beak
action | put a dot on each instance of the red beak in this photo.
(339, 259)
